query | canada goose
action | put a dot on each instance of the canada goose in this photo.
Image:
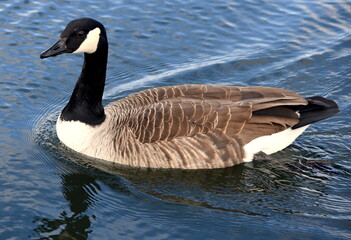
(186, 126)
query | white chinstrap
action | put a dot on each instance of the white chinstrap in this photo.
(90, 44)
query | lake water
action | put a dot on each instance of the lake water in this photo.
(50, 192)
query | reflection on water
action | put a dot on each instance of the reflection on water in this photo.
(81, 190)
(76, 223)
(264, 189)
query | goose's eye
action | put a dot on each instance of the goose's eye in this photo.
(80, 33)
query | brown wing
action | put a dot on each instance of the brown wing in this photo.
(185, 116)
(271, 113)
(187, 110)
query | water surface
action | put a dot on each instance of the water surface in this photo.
(50, 192)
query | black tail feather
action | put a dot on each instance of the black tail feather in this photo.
(318, 108)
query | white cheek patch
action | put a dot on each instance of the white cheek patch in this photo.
(90, 44)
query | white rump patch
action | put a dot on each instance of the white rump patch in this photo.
(272, 143)
(90, 44)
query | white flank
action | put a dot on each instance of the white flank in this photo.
(90, 44)
(74, 134)
(272, 143)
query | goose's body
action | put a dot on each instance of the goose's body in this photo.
(186, 126)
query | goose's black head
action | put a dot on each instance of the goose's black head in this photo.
(81, 35)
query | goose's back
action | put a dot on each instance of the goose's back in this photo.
(196, 126)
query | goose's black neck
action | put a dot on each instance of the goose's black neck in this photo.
(85, 104)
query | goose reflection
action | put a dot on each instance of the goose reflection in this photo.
(263, 188)
(76, 223)
(80, 188)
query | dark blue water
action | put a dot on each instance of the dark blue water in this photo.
(49, 192)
